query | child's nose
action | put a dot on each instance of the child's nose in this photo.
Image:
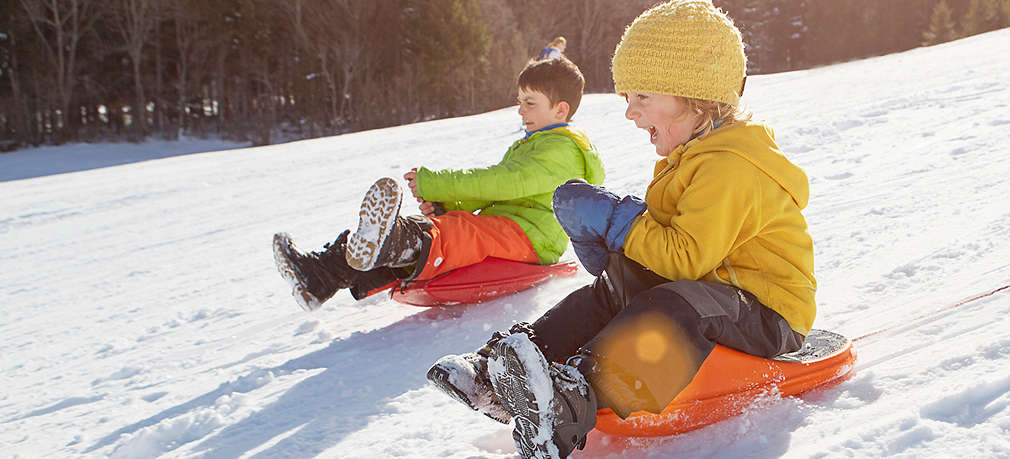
(630, 113)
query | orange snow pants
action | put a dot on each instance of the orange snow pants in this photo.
(461, 238)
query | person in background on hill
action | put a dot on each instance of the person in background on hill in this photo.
(554, 50)
(501, 211)
(717, 253)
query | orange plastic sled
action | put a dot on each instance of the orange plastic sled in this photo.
(729, 381)
(484, 281)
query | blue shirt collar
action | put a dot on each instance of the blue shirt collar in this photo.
(715, 125)
(553, 126)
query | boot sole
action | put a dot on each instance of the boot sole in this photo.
(282, 258)
(379, 209)
(439, 377)
(514, 371)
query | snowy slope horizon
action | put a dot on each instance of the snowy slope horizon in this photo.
(143, 315)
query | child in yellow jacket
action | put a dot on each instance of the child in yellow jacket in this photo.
(717, 253)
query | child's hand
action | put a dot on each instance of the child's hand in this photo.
(596, 220)
(411, 178)
(431, 209)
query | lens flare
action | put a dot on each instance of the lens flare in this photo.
(647, 355)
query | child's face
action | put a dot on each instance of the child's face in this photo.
(536, 110)
(666, 119)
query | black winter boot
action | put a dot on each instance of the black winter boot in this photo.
(317, 276)
(314, 276)
(464, 377)
(383, 237)
(553, 405)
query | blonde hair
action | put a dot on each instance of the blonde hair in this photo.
(712, 111)
(559, 40)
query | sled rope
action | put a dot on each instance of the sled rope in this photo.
(945, 308)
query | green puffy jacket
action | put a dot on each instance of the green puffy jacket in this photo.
(521, 187)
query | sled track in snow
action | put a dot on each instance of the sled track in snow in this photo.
(915, 324)
(930, 314)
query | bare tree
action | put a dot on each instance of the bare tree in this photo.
(61, 25)
(507, 55)
(17, 111)
(589, 27)
(134, 20)
(159, 77)
(338, 34)
(192, 45)
(307, 32)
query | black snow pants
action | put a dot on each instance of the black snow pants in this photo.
(639, 338)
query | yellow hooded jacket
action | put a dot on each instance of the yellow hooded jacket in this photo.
(726, 208)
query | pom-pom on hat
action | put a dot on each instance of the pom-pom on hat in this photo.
(686, 48)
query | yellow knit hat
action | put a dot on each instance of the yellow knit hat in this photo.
(686, 48)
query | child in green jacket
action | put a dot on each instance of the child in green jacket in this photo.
(501, 211)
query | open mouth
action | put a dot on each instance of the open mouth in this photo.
(653, 134)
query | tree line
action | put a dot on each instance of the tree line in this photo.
(269, 70)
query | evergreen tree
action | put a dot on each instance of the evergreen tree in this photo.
(449, 44)
(941, 25)
(9, 109)
(991, 17)
(900, 24)
(791, 30)
(134, 20)
(752, 17)
(972, 23)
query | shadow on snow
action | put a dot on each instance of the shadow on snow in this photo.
(362, 372)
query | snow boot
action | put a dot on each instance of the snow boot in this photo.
(464, 377)
(316, 276)
(383, 238)
(553, 405)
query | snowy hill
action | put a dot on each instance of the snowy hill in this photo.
(142, 314)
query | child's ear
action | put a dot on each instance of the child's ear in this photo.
(561, 110)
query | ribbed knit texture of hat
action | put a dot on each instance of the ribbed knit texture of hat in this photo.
(686, 48)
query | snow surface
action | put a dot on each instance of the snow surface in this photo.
(142, 314)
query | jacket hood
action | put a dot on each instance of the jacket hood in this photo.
(594, 166)
(754, 142)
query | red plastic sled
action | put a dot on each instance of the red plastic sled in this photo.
(487, 280)
(729, 381)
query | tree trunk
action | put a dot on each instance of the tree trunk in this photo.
(140, 107)
(20, 114)
(159, 95)
(331, 85)
(184, 32)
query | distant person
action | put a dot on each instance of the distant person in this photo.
(554, 50)
(501, 211)
(717, 253)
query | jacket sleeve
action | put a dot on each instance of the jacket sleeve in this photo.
(529, 170)
(715, 213)
(468, 206)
